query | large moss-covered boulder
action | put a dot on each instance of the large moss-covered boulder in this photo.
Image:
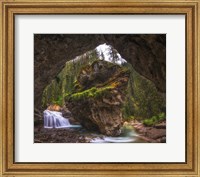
(99, 96)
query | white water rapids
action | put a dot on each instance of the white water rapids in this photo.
(129, 135)
(54, 119)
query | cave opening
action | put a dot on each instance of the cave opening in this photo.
(100, 83)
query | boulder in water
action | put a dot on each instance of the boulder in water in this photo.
(99, 97)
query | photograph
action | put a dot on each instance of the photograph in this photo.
(100, 88)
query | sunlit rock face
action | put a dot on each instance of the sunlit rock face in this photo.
(146, 53)
(99, 97)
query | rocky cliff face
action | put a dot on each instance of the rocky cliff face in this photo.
(146, 53)
(99, 97)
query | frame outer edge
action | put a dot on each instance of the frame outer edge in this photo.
(100, 1)
(4, 87)
(198, 85)
(196, 89)
(11, 57)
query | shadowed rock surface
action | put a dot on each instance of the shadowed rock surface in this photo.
(146, 53)
(99, 97)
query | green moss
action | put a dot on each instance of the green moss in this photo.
(90, 93)
(154, 119)
(148, 122)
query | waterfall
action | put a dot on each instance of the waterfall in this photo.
(54, 119)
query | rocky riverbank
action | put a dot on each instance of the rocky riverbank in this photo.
(63, 135)
(154, 134)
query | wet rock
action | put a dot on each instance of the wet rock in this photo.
(161, 140)
(160, 125)
(152, 134)
(97, 102)
(38, 117)
(61, 135)
(65, 112)
(155, 133)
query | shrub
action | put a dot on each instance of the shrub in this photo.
(161, 116)
(148, 122)
(154, 120)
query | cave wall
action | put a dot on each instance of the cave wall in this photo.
(146, 53)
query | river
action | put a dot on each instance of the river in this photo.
(54, 119)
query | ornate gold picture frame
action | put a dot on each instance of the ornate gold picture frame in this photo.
(10, 8)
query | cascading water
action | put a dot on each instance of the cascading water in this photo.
(54, 119)
(128, 135)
